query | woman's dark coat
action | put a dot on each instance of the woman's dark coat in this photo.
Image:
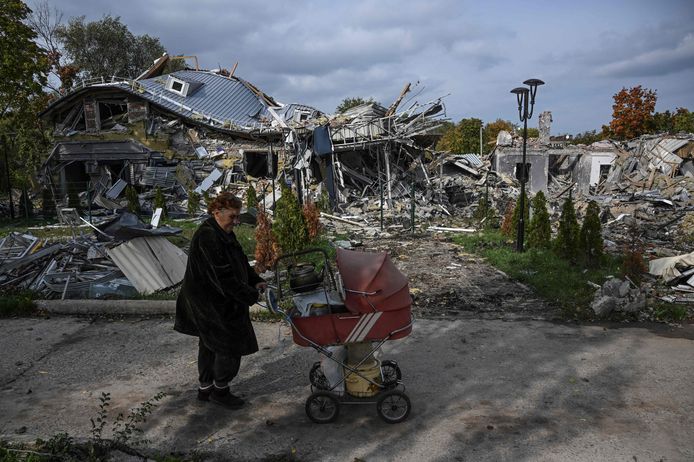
(218, 288)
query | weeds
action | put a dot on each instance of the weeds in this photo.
(670, 312)
(17, 303)
(63, 447)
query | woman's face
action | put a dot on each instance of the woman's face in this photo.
(227, 218)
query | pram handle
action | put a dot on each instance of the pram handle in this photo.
(363, 293)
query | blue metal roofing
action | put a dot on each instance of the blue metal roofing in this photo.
(221, 101)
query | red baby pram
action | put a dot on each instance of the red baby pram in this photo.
(366, 303)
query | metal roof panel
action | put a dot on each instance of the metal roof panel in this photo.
(220, 99)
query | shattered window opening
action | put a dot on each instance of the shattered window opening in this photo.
(519, 173)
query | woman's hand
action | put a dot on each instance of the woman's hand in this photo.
(261, 286)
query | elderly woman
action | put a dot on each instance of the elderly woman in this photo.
(218, 287)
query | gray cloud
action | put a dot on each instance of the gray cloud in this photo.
(318, 52)
(662, 61)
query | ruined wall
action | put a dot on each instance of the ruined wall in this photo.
(506, 162)
(545, 119)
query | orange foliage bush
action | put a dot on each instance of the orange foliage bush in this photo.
(312, 218)
(507, 228)
(266, 248)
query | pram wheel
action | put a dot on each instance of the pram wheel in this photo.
(322, 407)
(317, 378)
(391, 373)
(393, 406)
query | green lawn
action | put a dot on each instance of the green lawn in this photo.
(561, 282)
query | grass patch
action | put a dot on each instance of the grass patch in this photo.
(553, 278)
(670, 312)
(16, 303)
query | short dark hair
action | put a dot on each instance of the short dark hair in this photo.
(225, 200)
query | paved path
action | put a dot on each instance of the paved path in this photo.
(481, 390)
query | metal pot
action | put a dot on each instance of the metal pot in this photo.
(303, 277)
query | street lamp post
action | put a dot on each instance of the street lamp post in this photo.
(522, 96)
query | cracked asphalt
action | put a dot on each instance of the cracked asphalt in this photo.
(481, 390)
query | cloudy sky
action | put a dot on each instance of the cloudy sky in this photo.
(473, 52)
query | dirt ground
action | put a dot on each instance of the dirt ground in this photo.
(448, 283)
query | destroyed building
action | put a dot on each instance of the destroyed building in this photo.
(195, 129)
(549, 161)
(138, 131)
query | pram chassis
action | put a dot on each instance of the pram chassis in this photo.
(323, 405)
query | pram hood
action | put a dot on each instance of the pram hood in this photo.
(373, 274)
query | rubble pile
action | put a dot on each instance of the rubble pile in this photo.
(678, 273)
(93, 266)
(618, 295)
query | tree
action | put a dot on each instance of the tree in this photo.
(632, 112)
(540, 232)
(462, 138)
(566, 244)
(107, 48)
(26, 140)
(590, 237)
(491, 131)
(588, 137)
(45, 21)
(683, 121)
(24, 63)
(662, 122)
(349, 103)
(533, 132)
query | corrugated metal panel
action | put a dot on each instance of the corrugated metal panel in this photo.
(220, 98)
(473, 159)
(150, 263)
(672, 144)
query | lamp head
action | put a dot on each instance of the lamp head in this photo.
(521, 93)
(533, 84)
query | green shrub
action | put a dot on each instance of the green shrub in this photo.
(485, 215)
(289, 226)
(193, 203)
(590, 236)
(133, 200)
(251, 197)
(324, 201)
(566, 243)
(16, 303)
(160, 202)
(540, 230)
(670, 312)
